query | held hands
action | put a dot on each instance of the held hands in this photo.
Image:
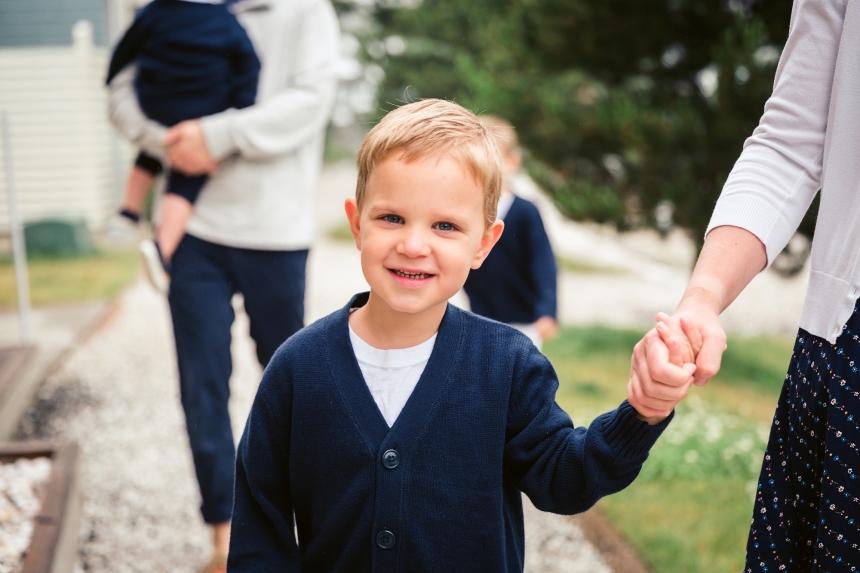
(661, 372)
(187, 149)
(700, 324)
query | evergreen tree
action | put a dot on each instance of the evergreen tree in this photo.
(632, 112)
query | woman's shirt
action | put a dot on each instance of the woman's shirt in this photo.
(808, 139)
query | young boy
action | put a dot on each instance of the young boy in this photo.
(400, 431)
(517, 282)
(193, 59)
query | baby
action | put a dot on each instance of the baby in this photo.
(193, 59)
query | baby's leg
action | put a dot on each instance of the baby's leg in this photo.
(176, 208)
(175, 211)
(139, 181)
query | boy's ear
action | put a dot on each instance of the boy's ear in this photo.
(488, 240)
(353, 216)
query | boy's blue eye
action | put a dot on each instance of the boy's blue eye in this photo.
(395, 219)
(446, 226)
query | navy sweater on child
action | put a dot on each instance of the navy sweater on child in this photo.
(517, 281)
(193, 59)
(440, 490)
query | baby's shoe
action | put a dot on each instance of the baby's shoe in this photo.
(153, 263)
(122, 229)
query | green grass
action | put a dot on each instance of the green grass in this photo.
(98, 276)
(689, 510)
(580, 266)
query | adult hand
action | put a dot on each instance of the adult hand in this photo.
(729, 260)
(187, 149)
(658, 377)
(547, 327)
(701, 324)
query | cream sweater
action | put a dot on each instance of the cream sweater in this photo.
(262, 197)
(809, 139)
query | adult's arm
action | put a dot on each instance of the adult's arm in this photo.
(773, 182)
(730, 259)
(127, 117)
(284, 121)
(779, 171)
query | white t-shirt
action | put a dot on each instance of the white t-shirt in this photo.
(391, 375)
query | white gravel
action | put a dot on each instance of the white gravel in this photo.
(21, 490)
(555, 545)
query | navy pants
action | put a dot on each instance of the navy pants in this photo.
(205, 277)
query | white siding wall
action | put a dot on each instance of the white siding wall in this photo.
(65, 156)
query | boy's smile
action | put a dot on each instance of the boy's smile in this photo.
(420, 229)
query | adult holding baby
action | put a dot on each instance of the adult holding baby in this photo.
(808, 139)
(252, 224)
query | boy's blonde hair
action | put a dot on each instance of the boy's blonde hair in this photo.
(434, 127)
(506, 135)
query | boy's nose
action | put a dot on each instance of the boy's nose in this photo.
(413, 244)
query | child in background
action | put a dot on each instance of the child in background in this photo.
(399, 432)
(193, 59)
(517, 283)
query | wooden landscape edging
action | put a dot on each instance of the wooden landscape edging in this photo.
(616, 552)
(15, 361)
(53, 547)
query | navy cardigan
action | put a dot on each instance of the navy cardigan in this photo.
(440, 490)
(517, 282)
(193, 60)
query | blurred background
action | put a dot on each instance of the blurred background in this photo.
(630, 114)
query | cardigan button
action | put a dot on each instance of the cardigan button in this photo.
(391, 459)
(385, 539)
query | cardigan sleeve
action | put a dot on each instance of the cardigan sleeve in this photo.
(285, 120)
(262, 536)
(779, 171)
(541, 265)
(561, 468)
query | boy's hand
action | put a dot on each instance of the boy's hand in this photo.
(659, 355)
(547, 328)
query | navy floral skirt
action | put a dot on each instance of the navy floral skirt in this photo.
(807, 508)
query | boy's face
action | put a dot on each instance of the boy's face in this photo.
(420, 229)
(512, 160)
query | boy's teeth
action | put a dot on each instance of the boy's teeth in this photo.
(412, 275)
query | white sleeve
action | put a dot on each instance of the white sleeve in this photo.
(125, 114)
(779, 171)
(287, 119)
